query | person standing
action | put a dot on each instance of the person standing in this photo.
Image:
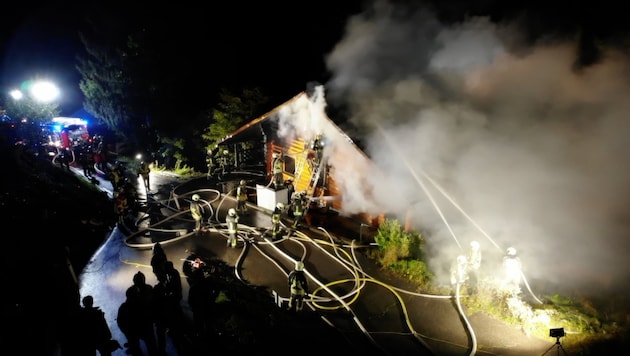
(196, 210)
(97, 332)
(512, 272)
(141, 310)
(128, 321)
(158, 262)
(298, 287)
(169, 314)
(121, 204)
(241, 197)
(145, 172)
(83, 160)
(277, 167)
(474, 263)
(459, 273)
(275, 221)
(318, 147)
(210, 164)
(231, 220)
(298, 204)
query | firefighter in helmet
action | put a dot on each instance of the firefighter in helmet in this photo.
(196, 211)
(275, 221)
(277, 166)
(298, 203)
(241, 197)
(459, 272)
(318, 147)
(512, 272)
(474, 263)
(232, 225)
(298, 287)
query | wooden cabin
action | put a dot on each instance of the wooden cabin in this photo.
(290, 130)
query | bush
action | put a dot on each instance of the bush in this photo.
(402, 252)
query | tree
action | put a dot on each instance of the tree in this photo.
(231, 113)
(31, 109)
(113, 73)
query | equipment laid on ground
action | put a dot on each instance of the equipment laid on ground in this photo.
(557, 333)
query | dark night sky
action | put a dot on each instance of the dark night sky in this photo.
(235, 44)
(232, 44)
(278, 47)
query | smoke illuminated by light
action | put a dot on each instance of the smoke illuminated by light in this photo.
(533, 149)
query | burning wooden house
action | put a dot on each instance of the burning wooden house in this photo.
(317, 157)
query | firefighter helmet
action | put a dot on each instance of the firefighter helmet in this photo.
(299, 266)
(274, 155)
(280, 206)
(226, 152)
(196, 197)
(242, 182)
(511, 251)
(231, 212)
(474, 245)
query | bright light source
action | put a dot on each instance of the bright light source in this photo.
(139, 156)
(16, 94)
(44, 91)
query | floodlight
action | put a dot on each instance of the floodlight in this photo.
(557, 332)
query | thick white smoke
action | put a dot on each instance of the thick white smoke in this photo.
(510, 148)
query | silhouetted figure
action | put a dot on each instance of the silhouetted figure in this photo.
(136, 318)
(158, 262)
(169, 315)
(201, 296)
(64, 157)
(97, 332)
(74, 340)
(84, 162)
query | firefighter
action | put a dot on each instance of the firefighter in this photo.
(210, 164)
(231, 220)
(145, 171)
(512, 272)
(196, 211)
(298, 203)
(298, 287)
(275, 221)
(276, 168)
(459, 272)
(318, 147)
(474, 263)
(241, 197)
(122, 205)
(225, 162)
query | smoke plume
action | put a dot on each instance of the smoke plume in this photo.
(481, 137)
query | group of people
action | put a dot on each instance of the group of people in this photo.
(465, 270)
(219, 165)
(150, 312)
